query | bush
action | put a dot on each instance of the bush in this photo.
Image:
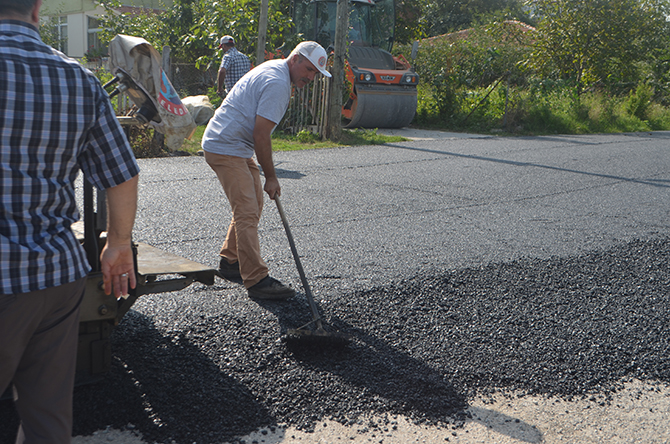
(305, 136)
(145, 142)
(638, 102)
(481, 84)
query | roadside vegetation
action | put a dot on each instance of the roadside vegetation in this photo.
(144, 144)
(569, 67)
(486, 66)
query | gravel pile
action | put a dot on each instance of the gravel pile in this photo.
(205, 365)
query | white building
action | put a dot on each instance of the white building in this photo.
(78, 25)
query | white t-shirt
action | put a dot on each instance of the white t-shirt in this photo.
(264, 91)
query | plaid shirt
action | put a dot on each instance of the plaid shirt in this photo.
(236, 64)
(55, 120)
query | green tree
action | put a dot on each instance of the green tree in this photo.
(598, 42)
(192, 28)
(408, 23)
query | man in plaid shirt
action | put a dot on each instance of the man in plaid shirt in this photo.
(233, 65)
(55, 121)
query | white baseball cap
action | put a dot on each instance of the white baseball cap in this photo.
(225, 40)
(315, 54)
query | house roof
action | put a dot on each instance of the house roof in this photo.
(465, 33)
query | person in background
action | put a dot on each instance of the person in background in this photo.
(241, 127)
(233, 66)
(55, 121)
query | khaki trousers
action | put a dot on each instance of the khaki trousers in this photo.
(241, 181)
(38, 353)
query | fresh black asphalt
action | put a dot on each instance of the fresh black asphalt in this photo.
(462, 267)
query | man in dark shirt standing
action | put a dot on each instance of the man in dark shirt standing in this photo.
(55, 121)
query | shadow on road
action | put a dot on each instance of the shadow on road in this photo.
(167, 389)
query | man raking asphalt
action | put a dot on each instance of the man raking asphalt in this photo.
(241, 128)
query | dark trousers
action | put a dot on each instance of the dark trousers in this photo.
(38, 353)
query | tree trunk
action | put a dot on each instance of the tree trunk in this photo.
(262, 31)
(337, 84)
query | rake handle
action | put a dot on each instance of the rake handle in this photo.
(308, 292)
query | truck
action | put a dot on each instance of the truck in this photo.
(382, 88)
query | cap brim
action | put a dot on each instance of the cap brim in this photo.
(321, 70)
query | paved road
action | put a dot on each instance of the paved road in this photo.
(364, 217)
(367, 216)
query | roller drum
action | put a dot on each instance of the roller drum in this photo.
(383, 106)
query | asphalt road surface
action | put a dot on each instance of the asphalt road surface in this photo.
(477, 275)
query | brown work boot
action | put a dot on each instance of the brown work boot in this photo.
(270, 288)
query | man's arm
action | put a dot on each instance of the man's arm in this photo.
(116, 259)
(263, 147)
(219, 80)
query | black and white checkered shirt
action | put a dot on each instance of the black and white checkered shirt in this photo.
(236, 64)
(55, 120)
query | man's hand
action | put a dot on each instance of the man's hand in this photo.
(116, 259)
(118, 270)
(272, 187)
(263, 147)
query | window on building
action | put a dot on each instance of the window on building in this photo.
(95, 47)
(54, 32)
(62, 34)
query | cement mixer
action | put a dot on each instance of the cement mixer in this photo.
(383, 87)
(137, 67)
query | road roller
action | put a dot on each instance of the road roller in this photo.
(382, 89)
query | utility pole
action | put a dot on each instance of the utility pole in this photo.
(337, 82)
(262, 31)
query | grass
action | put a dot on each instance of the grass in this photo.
(305, 140)
(533, 111)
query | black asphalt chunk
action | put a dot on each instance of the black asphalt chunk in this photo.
(207, 364)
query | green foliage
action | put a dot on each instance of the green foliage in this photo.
(545, 107)
(592, 65)
(192, 28)
(453, 65)
(638, 101)
(213, 96)
(49, 32)
(409, 25)
(443, 16)
(305, 136)
(145, 144)
(598, 42)
(102, 74)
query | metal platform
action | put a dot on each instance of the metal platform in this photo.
(152, 263)
(158, 271)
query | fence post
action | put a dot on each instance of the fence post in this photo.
(166, 62)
